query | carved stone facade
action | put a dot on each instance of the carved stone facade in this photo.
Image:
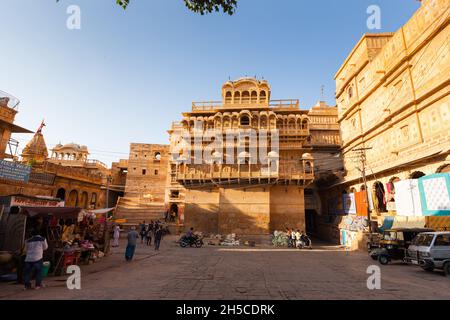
(241, 184)
(393, 97)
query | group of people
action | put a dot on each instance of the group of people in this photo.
(153, 230)
(147, 232)
(297, 239)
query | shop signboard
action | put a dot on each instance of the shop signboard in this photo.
(14, 171)
(22, 201)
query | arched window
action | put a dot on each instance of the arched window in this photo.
(158, 156)
(262, 97)
(254, 97)
(228, 97)
(245, 121)
(444, 169)
(84, 200)
(245, 97)
(305, 124)
(61, 194)
(417, 175)
(380, 199)
(237, 97)
(73, 199)
(350, 92)
(94, 200)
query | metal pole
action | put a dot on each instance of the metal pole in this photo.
(362, 152)
(107, 192)
(363, 158)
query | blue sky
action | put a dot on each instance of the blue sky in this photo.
(126, 75)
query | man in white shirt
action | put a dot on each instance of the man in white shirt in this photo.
(35, 247)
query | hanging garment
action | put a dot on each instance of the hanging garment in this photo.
(349, 204)
(434, 192)
(361, 203)
(407, 198)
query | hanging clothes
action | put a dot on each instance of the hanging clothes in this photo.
(407, 198)
(349, 203)
(434, 192)
(390, 196)
(361, 203)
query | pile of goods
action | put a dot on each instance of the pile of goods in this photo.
(230, 240)
(280, 239)
(221, 240)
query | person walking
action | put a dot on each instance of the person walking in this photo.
(132, 237)
(298, 239)
(35, 247)
(293, 237)
(142, 231)
(158, 237)
(148, 236)
(289, 236)
(116, 236)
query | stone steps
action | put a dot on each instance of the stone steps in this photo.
(134, 211)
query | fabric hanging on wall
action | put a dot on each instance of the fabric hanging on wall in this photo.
(434, 192)
(361, 203)
(407, 198)
(390, 196)
(349, 204)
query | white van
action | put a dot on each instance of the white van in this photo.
(431, 250)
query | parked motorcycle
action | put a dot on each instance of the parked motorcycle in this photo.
(193, 241)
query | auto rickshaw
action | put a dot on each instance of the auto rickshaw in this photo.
(394, 244)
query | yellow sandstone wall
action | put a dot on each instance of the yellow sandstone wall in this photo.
(287, 208)
(244, 211)
(201, 210)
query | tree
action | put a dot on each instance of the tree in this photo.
(199, 6)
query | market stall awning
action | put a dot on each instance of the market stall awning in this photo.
(101, 211)
(57, 212)
(408, 222)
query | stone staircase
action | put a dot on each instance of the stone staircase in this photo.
(134, 211)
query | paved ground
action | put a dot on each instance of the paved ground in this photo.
(326, 272)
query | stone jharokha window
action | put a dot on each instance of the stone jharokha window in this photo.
(237, 97)
(245, 121)
(245, 97)
(228, 97)
(254, 97)
(262, 96)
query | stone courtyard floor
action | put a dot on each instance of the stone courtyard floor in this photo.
(263, 272)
